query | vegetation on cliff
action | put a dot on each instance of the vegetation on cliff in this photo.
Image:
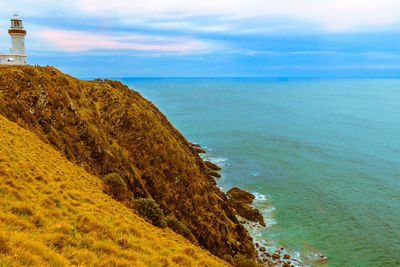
(105, 127)
(54, 213)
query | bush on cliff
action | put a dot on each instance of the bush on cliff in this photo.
(115, 185)
(149, 209)
(180, 228)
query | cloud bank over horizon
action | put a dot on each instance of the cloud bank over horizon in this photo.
(79, 41)
(341, 35)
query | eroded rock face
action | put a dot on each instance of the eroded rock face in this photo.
(240, 200)
(105, 127)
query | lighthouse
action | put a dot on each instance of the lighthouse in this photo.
(17, 55)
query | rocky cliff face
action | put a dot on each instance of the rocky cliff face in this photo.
(105, 127)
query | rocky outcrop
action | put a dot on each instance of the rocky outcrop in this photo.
(240, 200)
(199, 150)
(240, 195)
(104, 127)
(212, 169)
(214, 174)
(212, 166)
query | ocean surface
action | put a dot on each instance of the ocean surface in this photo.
(322, 156)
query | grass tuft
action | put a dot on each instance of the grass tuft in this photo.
(4, 244)
(22, 210)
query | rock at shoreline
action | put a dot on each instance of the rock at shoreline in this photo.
(215, 174)
(195, 145)
(199, 150)
(286, 256)
(240, 195)
(276, 256)
(240, 200)
(262, 249)
(212, 166)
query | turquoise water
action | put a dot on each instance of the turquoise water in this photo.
(326, 154)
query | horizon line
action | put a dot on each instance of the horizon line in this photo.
(248, 77)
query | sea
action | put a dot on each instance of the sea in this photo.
(322, 157)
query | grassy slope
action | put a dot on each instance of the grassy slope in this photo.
(52, 212)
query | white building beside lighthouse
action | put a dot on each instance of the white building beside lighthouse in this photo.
(17, 55)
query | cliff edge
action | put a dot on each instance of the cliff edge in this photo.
(105, 127)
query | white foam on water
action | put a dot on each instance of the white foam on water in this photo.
(220, 162)
(259, 197)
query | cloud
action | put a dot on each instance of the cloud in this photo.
(338, 15)
(79, 41)
(326, 15)
(223, 16)
(189, 26)
(39, 8)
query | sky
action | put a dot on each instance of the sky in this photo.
(210, 38)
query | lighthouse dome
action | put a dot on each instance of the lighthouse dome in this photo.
(16, 22)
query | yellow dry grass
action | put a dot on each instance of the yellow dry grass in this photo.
(53, 213)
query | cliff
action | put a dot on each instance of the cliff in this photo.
(53, 213)
(105, 127)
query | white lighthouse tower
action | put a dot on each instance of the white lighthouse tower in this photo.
(17, 55)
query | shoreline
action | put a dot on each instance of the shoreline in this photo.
(270, 252)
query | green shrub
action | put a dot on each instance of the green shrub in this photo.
(38, 221)
(180, 228)
(149, 209)
(116, 186)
